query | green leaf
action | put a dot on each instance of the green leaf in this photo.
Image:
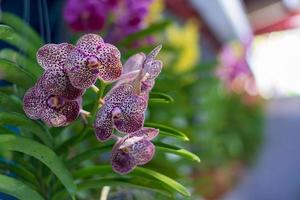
(21, 120)
(157, 27)
(168, 131)
(5, 31)
(137, 172)
(29, 64)
(134, 182)
(162, 178)
(18, 189)
(22, 44)
(21, 27)
(10, 102)
(43, 154)
(159, 97)
(21, 172)
(177, 150)
(91, 153)
(4, 130)
(16, 74)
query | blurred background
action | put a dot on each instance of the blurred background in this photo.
(233, 69)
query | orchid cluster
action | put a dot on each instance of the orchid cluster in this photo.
(56, 98)
(93, 15)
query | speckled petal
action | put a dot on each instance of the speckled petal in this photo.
(89, 43)
(53, 56)
(147, 86)
(151, 56)
(109, 57)
(78, 72)
(62, 116)
(142, 152)
(32, 103)
(118, 94)
(153, 69)
(122, 162)
(56, 82)
(70, 110)
(133, 63)
(103, 123)
(129, 123)
(146, 133)
(53, 118)
(131, 116)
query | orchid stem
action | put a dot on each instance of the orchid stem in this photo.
(84, 112)
(104, 193)
(95, 88)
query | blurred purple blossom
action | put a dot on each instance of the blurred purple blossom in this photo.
(92, 15)
(85, 15)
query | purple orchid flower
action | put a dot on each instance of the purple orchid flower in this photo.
(132, 150)
(142, 70)
(123, 109)
(86, 15)
(92, 59)
(53, 99)
(125, 105)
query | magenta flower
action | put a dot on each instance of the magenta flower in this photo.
(125, 105)
(92, 59)
(143, 70)
(55, 108)
(85, 15)
(132, 150)
(53, 99)
(123, 109)
(130, 19)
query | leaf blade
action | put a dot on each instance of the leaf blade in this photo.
(168, 131)
(43, 154)
(21, 120)
(18, 189)
(176, 150)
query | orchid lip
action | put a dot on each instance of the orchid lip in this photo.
(55, 102)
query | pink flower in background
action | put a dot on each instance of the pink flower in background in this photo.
(91, 15)
(86, 15)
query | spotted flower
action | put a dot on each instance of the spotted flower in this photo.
(142, 70)
(55, 107)
(125, 105)
(53, 99)
(92, 59)
(132, 150)
(123, 109)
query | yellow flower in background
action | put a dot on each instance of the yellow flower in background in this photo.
(186, 40)
(155, 11)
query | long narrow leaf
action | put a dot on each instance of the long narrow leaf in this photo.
(138, 172)
(10, 102)
(15, 74)
(176, 150)
(158, 97)
(5, 31)
(25, 46)
(22, 121)
(168, 131)
(43, 154)
(18, 189)
(30, 64)
(21, 27)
